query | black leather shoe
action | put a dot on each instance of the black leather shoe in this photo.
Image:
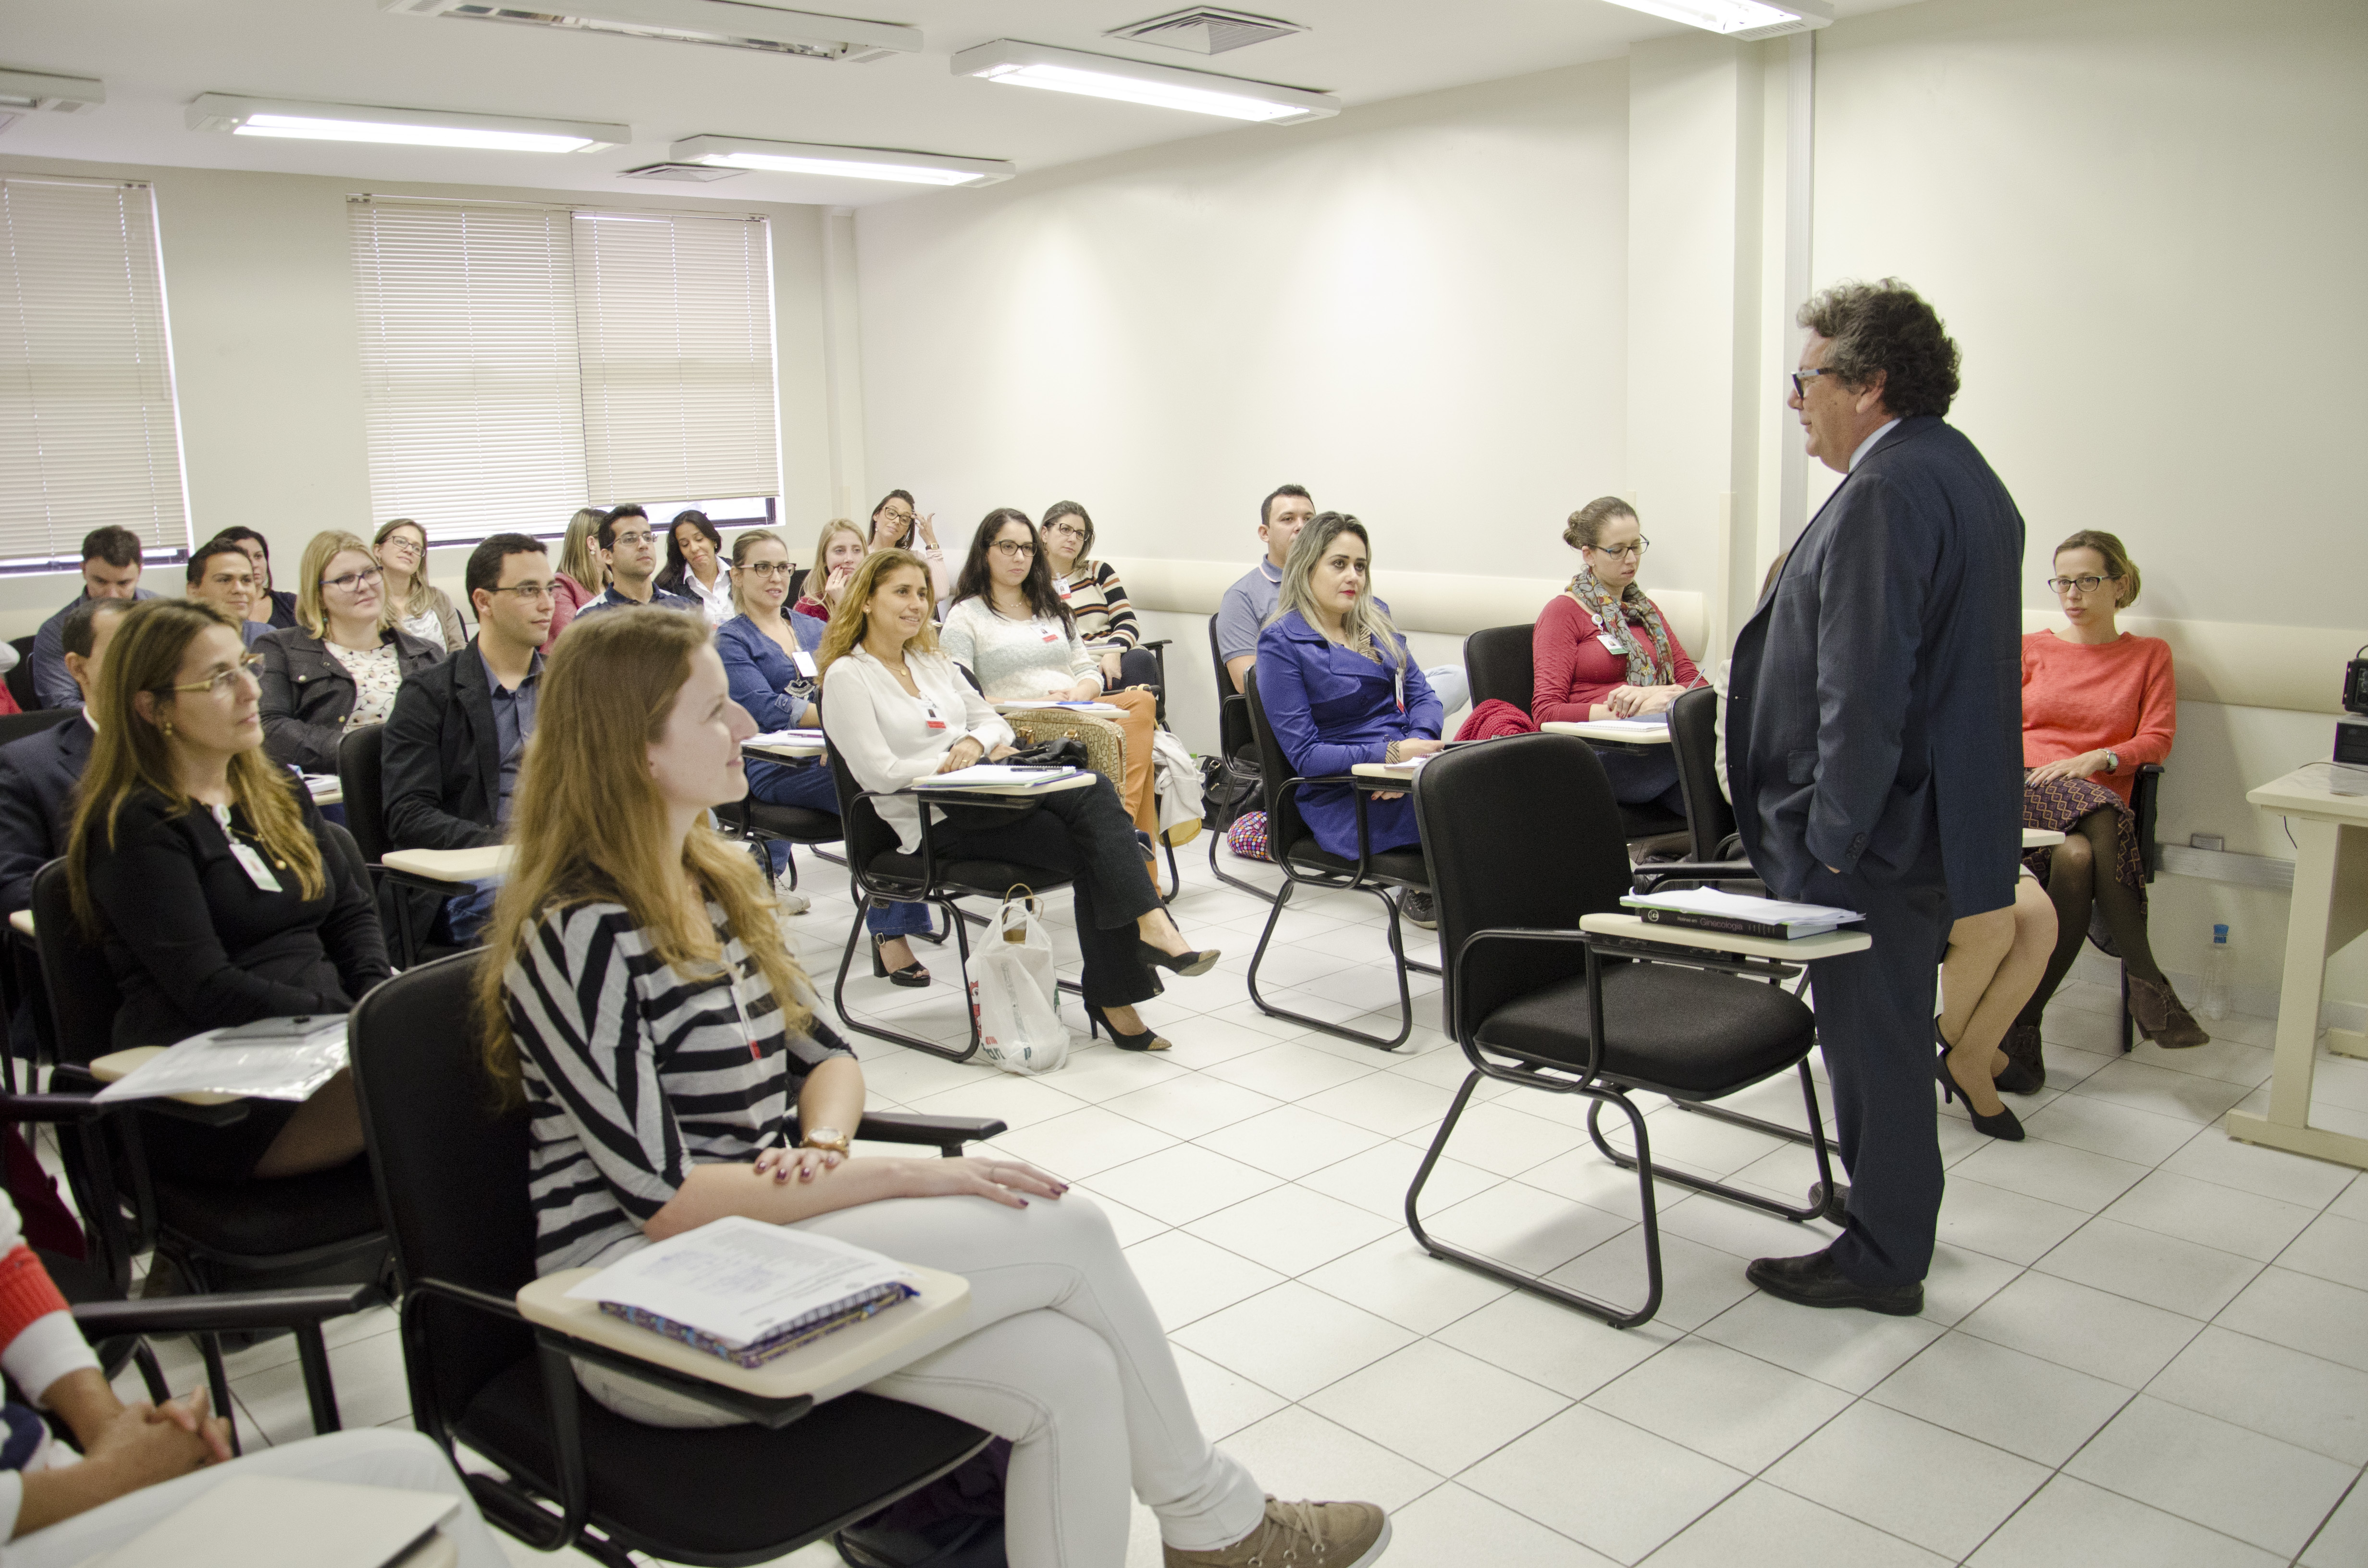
(1817, 1281)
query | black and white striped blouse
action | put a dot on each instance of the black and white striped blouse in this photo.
(635, 1072)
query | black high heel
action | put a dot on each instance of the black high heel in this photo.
(1187, 964)
(1148, 1039)
(911, 975)
(2003, 1126)
(2016, 1080)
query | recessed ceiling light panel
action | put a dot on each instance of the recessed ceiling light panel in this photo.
(846, 163)
(1744, 20)
(38, 89)
(726, 24)
(1132, 80)
(289, 120)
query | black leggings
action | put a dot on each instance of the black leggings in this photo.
(1084, 835)
(2079, 875)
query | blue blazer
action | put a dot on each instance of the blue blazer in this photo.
(767, 684)
(1330, 708)
(1875, 700)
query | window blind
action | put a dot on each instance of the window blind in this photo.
(469, 379)
(88, 433)
(522, 361)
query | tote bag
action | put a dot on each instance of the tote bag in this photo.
(1012, 992)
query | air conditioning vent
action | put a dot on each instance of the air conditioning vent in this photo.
(38, 89)
(1205, 30)
(1779, 30)
(687, 173)
(726, 24)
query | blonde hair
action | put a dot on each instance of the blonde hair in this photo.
(848, 621)
(1368, 627)
(326, 547)
(831, 530)
(741, 545)
(2117, 560)
(575, 557)
(417, 601)
(130, 752)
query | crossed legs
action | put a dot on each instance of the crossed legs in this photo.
(1994, 960)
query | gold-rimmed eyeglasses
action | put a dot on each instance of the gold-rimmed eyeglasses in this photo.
(219, 684)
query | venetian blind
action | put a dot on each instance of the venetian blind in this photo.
(88, 435)
(674, 321)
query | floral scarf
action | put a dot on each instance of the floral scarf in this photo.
(1656, 666)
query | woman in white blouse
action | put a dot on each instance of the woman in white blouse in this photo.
(413, 602)
(897, 710)
(1008, 626)
(695, 567)
(898, 523)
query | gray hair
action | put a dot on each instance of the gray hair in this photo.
(1886, 329)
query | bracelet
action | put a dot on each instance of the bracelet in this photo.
(1390, 752)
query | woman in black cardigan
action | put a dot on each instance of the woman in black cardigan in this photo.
(339, 666)
(207, 874)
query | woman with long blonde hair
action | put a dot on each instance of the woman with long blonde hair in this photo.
(580, 578)
(638, 998)
(413, 602)
(216, 890)
(339, 666)
(838, 549)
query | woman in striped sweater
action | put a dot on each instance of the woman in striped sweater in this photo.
(641, 1004)
(1095, 598)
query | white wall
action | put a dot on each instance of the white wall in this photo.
(258, 278)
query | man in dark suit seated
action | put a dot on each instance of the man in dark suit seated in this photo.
(1873, 739)
(38, 774)
(458, 730)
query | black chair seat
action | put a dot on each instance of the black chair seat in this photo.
(1677, 1032)
(1404, 867)
(988, 879)
(1648, 822)
(796, 823)
(263, 1219)
(714, 1491)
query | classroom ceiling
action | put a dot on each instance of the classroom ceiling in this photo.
(156, 56)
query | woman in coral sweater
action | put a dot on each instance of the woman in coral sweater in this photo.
(1603, 650)
(2097, 703)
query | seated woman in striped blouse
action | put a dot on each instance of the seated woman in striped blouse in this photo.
(643, 1007)
(1095, 597)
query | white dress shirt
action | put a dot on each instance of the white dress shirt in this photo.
(888, 737)
(1866, 446)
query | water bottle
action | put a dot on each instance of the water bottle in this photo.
(2218, 964)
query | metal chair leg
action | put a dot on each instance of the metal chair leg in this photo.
(1703, 1184)
(1339, 1031)
(1216, 837)
(839, 991)
(1761, 1124)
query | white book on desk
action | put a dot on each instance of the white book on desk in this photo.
(279, 1521)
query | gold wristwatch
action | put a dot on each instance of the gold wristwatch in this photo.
(829, 1138)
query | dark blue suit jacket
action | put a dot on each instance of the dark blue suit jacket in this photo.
(38, 775)
(1875, 717)
(1330, 709)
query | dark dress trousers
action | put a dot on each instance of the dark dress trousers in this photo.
(307, 694)
(1874, 744)
(38, 775)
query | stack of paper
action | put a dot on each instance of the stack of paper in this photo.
(786, 738)
(283, 1064)
(997, 778)
(1709, 909)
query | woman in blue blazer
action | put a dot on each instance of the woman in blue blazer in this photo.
(1339, 686)
(768, 652)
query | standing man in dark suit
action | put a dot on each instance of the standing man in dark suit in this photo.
(1875, 743)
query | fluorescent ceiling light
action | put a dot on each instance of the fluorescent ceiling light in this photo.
(850, 163)
(1132, 80)
(38, 89)
(1743, 19)
(400, 127)
(727, 23)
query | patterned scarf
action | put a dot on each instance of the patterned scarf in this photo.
(1654, 666)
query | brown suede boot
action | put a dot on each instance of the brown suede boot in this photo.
(2162, 1017)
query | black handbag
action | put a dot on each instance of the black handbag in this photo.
(956, 1521)
(1061, 751)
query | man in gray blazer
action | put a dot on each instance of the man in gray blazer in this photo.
(1874, 743)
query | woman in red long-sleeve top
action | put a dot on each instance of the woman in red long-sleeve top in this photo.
(1603, 650)
(2097, 702)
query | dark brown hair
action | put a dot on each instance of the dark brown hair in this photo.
(1585, 524)
(2118, 563)
(1886, 329)
(1043, 600)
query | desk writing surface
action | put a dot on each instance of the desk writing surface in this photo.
(1403, 772)
(1795, 950)
(2041, 838)
(455, 865)
(788, 751)
(1609, 730)
(22, 919)
(1078, 780)
(2306, 791)
(118, 1064)
(831, 1365)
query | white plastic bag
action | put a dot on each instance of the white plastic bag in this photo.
(1012, 993)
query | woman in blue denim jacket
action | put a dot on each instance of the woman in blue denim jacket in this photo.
(767, 651)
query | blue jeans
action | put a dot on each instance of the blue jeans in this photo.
(810, 786)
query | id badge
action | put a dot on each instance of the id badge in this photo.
(805, 662)
(1401, 684)
(252, 864)
(1611, 644)
(1050, 635)
(935, 723)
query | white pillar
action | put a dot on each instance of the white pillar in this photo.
(843, 363)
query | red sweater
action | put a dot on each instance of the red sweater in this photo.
(1574, 672)
(2078, 697)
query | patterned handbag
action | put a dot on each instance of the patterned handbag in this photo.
(1104, 741)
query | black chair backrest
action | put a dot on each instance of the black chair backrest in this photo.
(1284, 826)
(866, 837)
(1520, 831)
(1501, 663)
(2146, 795)
(797, 584)
(17, 726)
(1233, 736)
(450, 1167)
(20, 674)
(1694, 737)
(361, 755)
(84, 999)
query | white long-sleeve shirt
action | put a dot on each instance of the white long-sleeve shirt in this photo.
(1016, 661)
(888, 737)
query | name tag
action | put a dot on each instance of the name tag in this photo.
(1050, 635)
(1062, 587)
(1401, 684)
(1611, 644)
(252, 864)
(934, 721)
(805, 662)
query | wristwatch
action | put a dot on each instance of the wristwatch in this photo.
(827, 1138)
(2113, 760)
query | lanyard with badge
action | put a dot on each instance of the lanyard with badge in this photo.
(249, 860)
(1610, 635)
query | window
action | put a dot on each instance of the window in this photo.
(88, 433)
(522, 361)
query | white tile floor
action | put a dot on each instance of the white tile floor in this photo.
(2144, 1343)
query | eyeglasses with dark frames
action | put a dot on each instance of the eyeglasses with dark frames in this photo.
(1633, 550)
(1801, 379)
(525, 591)
(1013, 549)
(353, 580)
(767, 568)
(2087, 585)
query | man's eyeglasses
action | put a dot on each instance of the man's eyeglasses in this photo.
(220, 683)
(353, 580)
(525, 591)
(767, 568)
(636, 538)
(2085, 584)
(1633, 550)
(1801, 379)
(1013, 549)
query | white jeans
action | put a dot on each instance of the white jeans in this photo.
(372, 1457)
(1064, 1357)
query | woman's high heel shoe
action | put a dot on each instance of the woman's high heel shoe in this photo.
(2002, 1126)
(1148, 1040)
(2016, 1080)
(1187, 964)
(911, 975)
